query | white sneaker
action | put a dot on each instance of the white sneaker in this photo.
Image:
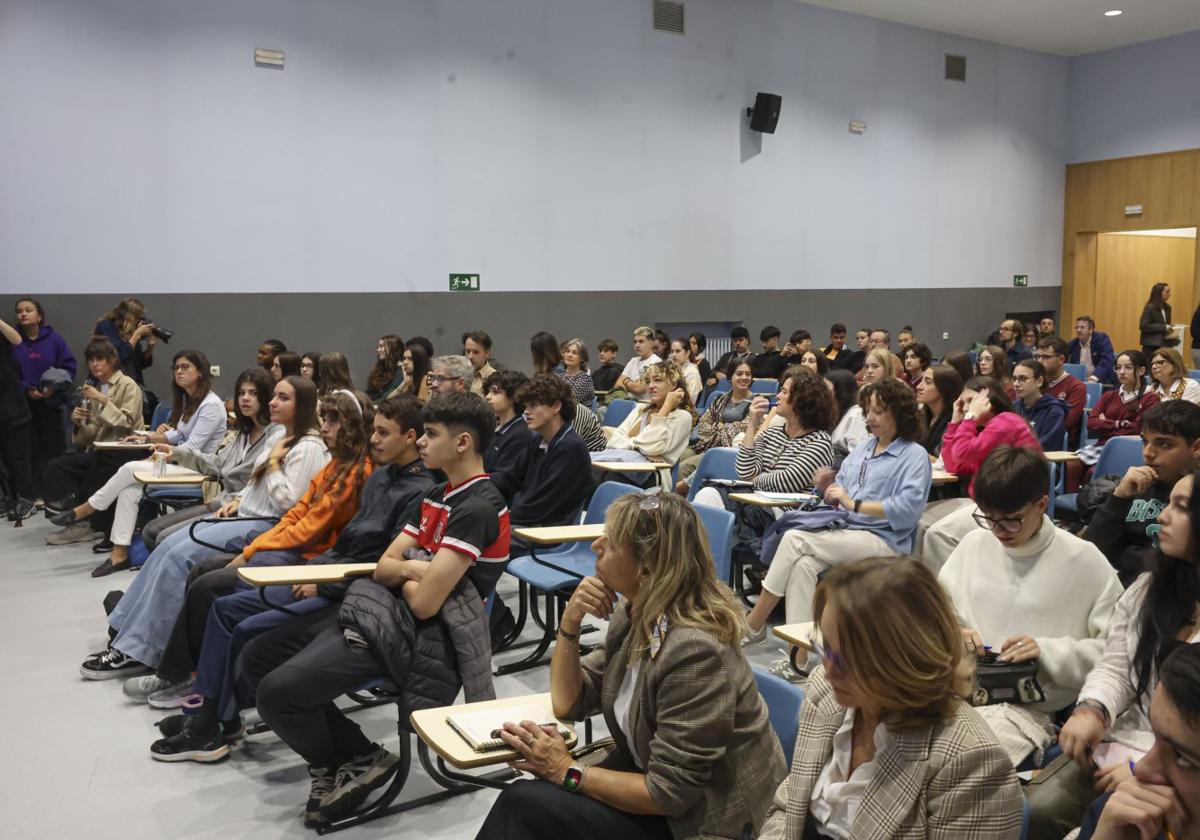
(754, 637)
(79, 532)
(139, 689)
(172, 695)
(784, 668)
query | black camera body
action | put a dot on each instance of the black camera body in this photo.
(163, 335)
(1005, 682)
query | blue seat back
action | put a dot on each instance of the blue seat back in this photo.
(1094, 390)
(1118, 455)
(617, 411)
(723, 385)
(1194, 374)
(162, 413)
(1077, 370)
(605, 495)
(719, 522)
(717, 462)
(764, 386)
(783, 707)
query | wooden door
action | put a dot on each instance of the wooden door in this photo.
(1126, 269)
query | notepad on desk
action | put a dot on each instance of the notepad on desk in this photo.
(479, 729)
(731, 482)
(785, 497)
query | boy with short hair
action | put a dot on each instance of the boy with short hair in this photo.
(605, 376)
(508, 444)
(1124, 526)
(1029, 591)
(769, 364)
(1052, 353)
(740, 338)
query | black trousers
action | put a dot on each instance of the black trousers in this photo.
(48, 438)
(299, 669)
(539, 810)
(207, 581)
(15, 458)
(74, 476)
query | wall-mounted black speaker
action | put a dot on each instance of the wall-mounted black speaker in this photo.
(764, 116)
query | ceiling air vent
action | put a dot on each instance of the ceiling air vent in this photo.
(668, 16)
(956, 68)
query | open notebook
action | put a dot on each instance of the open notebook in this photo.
(478, 728)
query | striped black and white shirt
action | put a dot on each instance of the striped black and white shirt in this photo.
(781, 464)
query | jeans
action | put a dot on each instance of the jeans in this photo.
(145, 615)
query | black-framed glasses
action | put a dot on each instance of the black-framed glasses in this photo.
(435, 379)
(1021, 378)
(1007, 524)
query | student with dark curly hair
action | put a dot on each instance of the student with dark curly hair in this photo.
(500, 391)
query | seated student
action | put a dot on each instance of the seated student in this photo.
(694, 752)
(126, 327)
(587, 425)
(285, 364)
(310, 366)
(937, 390)
(681, 357)
(512, 434)
(1044, 413)
(815, 361)
(232, 463)
(1121, 409)
(1125, 525)
(878, 365)
(905, 338)
(723, 420)
(267, 351)
(961, 362)
(1108, 726)
(307, 530)
(449, 375)
(543, 347)
(388, 372)
(882, 486)
(917, 359)
(1163, 794)
(42, 349)
(302, 666)
(851, 428)
(1030, 337)
(697, 343)
(657, 430)
(604, 378)
(477, 347)
(632, 379)
(279, 478)
(209, 642)
(983, 419)
(740, 336)
(836, 352)
(1052, 353)
(335, 373)
(992, 361)
(862, 343)
(887, 747)
(1093, 350)
(881, 340)
(798, 342)
(197, 422)
(769, 363)
(1171, 381)
(415, 364)
(111, 410)
(1029, 591)
(422, 342)
(575, 371)
(1014, 348)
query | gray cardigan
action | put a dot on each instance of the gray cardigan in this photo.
(233, 462)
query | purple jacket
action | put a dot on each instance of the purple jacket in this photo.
(42, 353)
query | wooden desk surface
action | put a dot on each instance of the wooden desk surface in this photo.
(797, 634)
(759, 500)
(1061, 457)
(550, 535)
(630, 466)
(431, 727)
(111, 445)
(176, 479)
(276, 575)
(943, 477)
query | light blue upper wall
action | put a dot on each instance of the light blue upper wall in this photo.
(547, 144)
(1135, 100)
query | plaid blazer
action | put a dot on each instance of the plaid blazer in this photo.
(698, 727)
(950, 781)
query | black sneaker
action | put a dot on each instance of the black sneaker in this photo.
(23, 509)
(356, 779)
(232, 731)
(322, 785)
(62, 520)
(110, 665)
(103, 546)
(191, 744)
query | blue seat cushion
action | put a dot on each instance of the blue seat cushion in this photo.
(1067, 501)
(176, 491)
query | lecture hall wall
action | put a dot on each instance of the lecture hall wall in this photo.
(557, 147)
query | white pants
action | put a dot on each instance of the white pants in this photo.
(803, 555)
(710, 497)
(944, 535)
(126, 492)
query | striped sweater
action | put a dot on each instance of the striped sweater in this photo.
(780, 464)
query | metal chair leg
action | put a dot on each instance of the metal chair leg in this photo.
(534, 659)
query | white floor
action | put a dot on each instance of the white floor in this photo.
(77, 762)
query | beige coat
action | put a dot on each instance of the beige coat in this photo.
(116, 418)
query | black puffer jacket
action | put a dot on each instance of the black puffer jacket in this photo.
(427, 660)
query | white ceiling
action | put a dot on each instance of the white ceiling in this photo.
(1065, 27)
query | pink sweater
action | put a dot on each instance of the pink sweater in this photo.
(965, 445)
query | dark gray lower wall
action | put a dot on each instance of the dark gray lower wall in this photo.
(228, 328)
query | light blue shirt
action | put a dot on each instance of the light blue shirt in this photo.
(204, 430)
(899, 478)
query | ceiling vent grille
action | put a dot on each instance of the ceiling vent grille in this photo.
(668, 16)
(956, 68)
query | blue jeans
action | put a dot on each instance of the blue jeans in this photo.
(146, 613)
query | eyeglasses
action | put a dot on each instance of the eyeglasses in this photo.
(1045, 357)
(1019, 378)
(828, 654)
(651, 499)
(1007, 524)
(1158, 363)
(435, 379)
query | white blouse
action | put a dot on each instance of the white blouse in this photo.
(837, 793)
(624, 703)
(1191, 391)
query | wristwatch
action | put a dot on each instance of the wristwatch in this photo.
(857, 505)
(573, 780)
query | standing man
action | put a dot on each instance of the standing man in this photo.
(643, 356)
(477, 347)
(1093, 350)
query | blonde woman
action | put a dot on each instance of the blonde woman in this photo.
(1171, 381)
(887, 747)
(879, 365)
(659, 429)
(694, 753)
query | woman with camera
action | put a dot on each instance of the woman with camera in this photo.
(125, 325)
(887, 746)
(694, 753)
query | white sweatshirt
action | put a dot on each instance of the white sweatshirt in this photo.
(1057, 588)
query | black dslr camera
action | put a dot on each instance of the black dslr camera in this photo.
(164, 335)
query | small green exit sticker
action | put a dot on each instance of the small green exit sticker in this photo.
(1020, 279)
(464, 282)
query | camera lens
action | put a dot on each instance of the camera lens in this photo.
(163, 335)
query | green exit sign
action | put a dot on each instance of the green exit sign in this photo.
(464, 282)
(1020, 279)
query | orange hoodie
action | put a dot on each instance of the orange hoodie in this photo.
(312, 528)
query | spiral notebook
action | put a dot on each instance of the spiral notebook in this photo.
(476, 728)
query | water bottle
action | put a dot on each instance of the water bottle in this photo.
(160, 464)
